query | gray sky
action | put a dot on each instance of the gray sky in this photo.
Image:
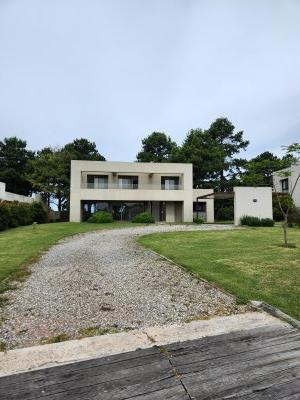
(113, 71)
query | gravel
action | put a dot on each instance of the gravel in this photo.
(105, 279)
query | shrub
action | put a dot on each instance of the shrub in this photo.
(5, 215)
(39, 212)
(266, 222)
(198, 220)
(144, 218)
(13, 214)
(255, 221)
(101, 217)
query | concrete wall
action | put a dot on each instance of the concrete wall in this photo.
(8, 196)
(253, 201)
(210, 212)
(149, 184)
(294, 171)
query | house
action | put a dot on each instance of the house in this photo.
(8, 196)
(127, 188)
(285, 184)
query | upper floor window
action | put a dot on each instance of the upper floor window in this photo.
(284, 185)
(169, 182)
(97, 181)
(128, 182)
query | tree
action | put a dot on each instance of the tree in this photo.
(201, 150)
(228, 145)
(259, 170)
(14, 163)
(286, 207)
(51, 169)
(212, 154)
(157, 147)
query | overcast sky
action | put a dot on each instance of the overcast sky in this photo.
(113, 71)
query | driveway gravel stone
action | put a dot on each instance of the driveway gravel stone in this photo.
(105, 279)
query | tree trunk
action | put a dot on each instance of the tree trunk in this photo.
(285, 234)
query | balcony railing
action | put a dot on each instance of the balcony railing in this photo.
(133, 186)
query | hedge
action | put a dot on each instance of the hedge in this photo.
(13, 214)
(255, 221)
(143, 218)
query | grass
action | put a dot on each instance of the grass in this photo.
(249, 263)
(19, 247)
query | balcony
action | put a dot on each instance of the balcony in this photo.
(129, 186)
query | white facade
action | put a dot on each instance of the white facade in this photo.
(8, 196)
(286, 184)
(163, 189)
(253, 201)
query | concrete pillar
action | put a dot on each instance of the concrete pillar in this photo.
(75, 209)
(170, 211)
(188, 211)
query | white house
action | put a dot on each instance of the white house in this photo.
(163, 189)
(285, 184)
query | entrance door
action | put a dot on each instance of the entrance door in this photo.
(162, 211)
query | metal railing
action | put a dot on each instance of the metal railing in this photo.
(129, 186)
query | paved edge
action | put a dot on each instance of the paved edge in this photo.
(44, 356)
(276, 312)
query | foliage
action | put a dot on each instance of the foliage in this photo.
(286, 202)
(198, 220)
(213, 154)
(39, 212)
(255, 221)
(14, 158)
(101, 217)
(144, 217)
(249, 263)
(51, 168)
(259, 170)
(157, 147)
(13, 214)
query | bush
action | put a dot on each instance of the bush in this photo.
(101, 217)
(5, 215)
(255, 221)
(198, 220)
(13, 214)
(144, 218)
(266, 222)
(39, 213)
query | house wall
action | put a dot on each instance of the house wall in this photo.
(253, 201)
(8, 196)
(210, 212)
(149, 185)
(294, 171)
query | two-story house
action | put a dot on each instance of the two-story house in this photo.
(127, 188)
(285, 184)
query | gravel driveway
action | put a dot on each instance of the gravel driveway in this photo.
(105, 279)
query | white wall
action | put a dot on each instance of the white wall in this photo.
(294, 171)
(210, 212)
(8, 196)
(253, 201)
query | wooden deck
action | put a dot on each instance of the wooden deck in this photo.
(255, 364)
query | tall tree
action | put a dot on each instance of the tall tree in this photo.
(157, 147)
(50, 170)
(258, 171)
(229, 144)
(14, 158)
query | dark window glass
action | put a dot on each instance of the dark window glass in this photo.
(285, 185)
(128, 182)
(97, 181)
(199, 206)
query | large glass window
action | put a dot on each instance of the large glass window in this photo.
(169, 182)
(128, 182)
(97, 181)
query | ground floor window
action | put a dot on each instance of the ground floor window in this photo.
(121, 210)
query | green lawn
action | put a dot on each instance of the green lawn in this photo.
(21, 246)
(249, 263)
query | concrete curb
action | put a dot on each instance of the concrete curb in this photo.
(44, 356)
(275, 312)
